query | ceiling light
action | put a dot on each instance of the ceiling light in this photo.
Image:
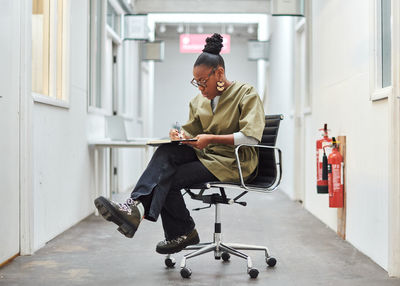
(200, 29)
(180, 28)
(162, 28)
(250, 29)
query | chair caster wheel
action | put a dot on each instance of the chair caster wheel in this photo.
(186, 272)
(169, 262)
(253, 273)
(225, 256)
(271, 261)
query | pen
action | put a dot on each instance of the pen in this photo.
(179, 129)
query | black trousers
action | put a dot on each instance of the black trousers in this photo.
(172, 168)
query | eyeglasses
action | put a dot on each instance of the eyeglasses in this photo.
(203, 82)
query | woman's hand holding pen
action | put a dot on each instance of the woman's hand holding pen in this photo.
(174, 134)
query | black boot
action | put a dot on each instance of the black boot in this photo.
(179, 243)
(126, 216)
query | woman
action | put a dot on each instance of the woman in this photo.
(225, 114)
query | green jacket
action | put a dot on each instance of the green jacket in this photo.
(239, 109)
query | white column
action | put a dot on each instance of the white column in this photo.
(26, 149)
(394, 149)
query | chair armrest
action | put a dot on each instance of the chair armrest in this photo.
(278, 167)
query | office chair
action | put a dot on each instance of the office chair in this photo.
(267, 180)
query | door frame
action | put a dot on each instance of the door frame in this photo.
(300, 108)
(26, 133)
(394, 149)
(115, 50)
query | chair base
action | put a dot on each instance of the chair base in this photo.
(221, 250)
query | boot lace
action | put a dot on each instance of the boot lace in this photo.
(126, 207)
(175, 240)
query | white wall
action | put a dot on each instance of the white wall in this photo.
(10, 81)
(173, 90)
(340, 84)
(341, 63)
(63, 183)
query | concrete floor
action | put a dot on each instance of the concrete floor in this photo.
(308, 253)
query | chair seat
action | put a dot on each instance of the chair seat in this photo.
(264, 182)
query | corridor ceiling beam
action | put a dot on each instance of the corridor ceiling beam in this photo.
(202, 6)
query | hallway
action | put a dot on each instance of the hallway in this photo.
(308, 252)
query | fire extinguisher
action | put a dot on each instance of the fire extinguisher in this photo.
(335, 177)
(322, 173)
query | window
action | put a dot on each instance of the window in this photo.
(95, 44)
(48, 48)
(105, 35)
(381, 86)
(113, 19)
(40, 46)
(386, 76)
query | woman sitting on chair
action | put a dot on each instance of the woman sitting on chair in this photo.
(225, 114)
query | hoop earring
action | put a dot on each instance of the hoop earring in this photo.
(220, 86)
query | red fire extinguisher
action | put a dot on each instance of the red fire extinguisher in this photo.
(335, 177)
(322, 173)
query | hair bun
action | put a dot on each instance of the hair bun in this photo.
(213, 44)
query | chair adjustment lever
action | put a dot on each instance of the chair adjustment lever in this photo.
(197, 209)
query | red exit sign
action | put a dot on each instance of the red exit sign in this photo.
(194, 43)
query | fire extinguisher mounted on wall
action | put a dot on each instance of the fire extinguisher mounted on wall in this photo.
(323, 150)
(335, 176)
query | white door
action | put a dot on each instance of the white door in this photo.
(9, 127)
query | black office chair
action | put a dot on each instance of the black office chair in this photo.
(267, 180)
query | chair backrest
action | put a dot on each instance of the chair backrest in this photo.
(266, 174)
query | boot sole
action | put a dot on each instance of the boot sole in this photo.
(177, 249)
(109, 213)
